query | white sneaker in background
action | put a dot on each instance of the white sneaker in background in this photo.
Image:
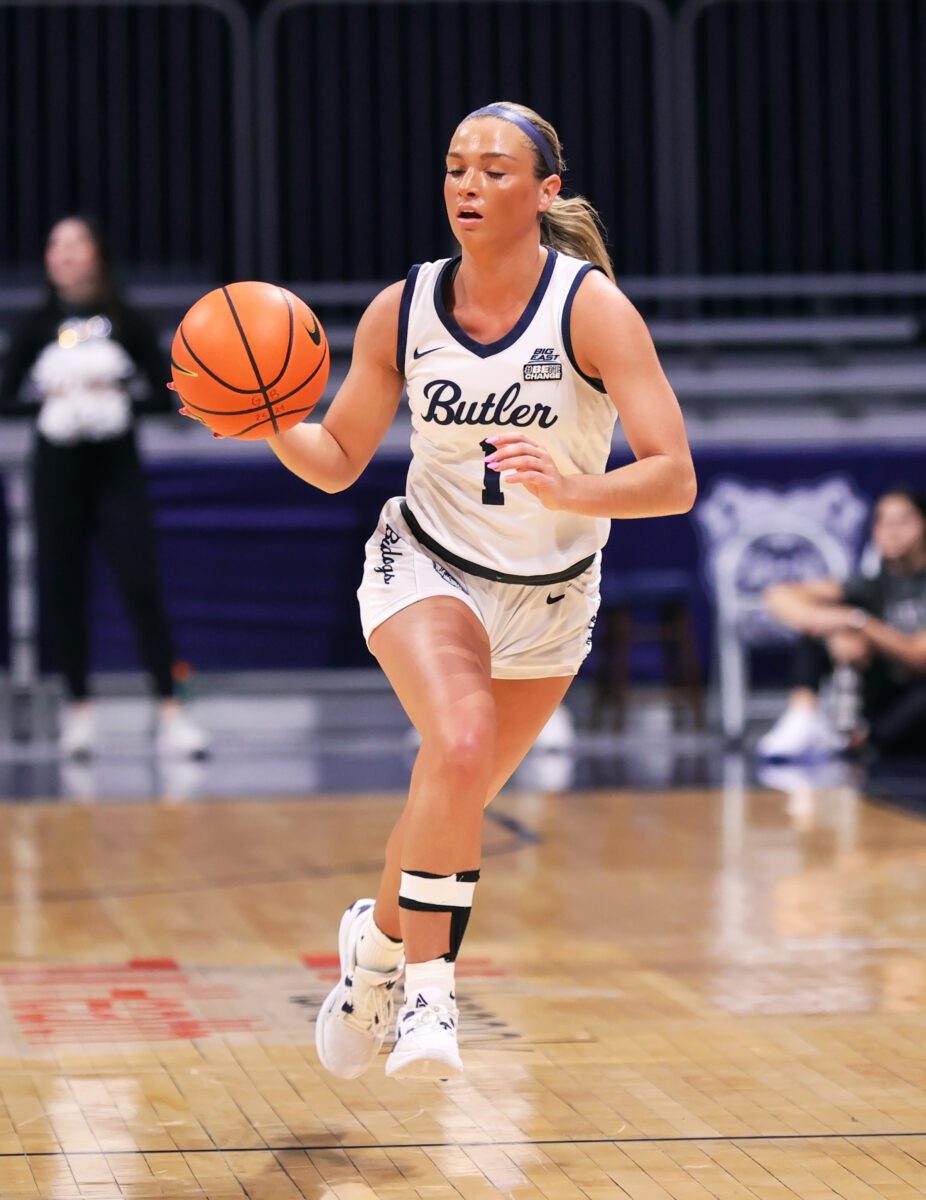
(353, 1021)
(425, 1041)
(801, 731)
(179, 736)
(77, 735)
(78, 782)
(180, 779)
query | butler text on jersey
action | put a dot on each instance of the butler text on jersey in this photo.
(446, 406)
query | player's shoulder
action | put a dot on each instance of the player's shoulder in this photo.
(377, 329)
(387, 304)
(387, 300)
(380, 331)
(599, 303)
(605, 326)
(592, 282)
(589, 287)
(383, 310)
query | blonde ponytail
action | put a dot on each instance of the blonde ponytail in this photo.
(571, 225)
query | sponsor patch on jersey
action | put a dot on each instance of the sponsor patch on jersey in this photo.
(538, 372)
(543, 366)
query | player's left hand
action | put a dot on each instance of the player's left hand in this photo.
(185, 412)
(519, 460)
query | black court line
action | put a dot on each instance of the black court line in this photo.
(521, 834)
(597, 1141)
(526, 836)
(203, 885)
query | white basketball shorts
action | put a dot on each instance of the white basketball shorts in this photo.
(535, 631)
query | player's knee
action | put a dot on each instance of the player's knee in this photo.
(466, 748)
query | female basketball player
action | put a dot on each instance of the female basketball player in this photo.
(480, 587)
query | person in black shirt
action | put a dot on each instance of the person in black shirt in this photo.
(875, 625)
(83, 365)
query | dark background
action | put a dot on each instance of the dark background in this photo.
(747, 136)
(740, 141)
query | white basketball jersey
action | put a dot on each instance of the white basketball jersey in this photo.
(461, 392)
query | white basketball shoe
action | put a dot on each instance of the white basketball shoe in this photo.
(353, 1021)
(426, 1039)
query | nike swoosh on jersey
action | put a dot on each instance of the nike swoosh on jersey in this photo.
(430, 350)
(556, 599)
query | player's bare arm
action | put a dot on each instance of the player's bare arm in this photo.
(611, 343)
(332, 454)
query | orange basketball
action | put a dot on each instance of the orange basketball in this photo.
(250, 360)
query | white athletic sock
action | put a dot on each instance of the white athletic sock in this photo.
(434, 981)
(376, 951)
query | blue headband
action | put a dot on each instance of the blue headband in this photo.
(546, 150)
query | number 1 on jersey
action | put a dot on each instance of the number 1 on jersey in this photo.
(491, 480)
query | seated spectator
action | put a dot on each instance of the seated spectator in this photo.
(876, 626)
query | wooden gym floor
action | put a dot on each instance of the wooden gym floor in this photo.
(684, 995)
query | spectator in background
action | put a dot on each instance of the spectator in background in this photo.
(84, 363)
(876, 626)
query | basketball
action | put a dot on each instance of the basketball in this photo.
(250, 360)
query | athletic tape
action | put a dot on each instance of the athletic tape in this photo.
(442, 891)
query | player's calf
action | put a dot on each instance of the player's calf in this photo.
(426, 1029)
